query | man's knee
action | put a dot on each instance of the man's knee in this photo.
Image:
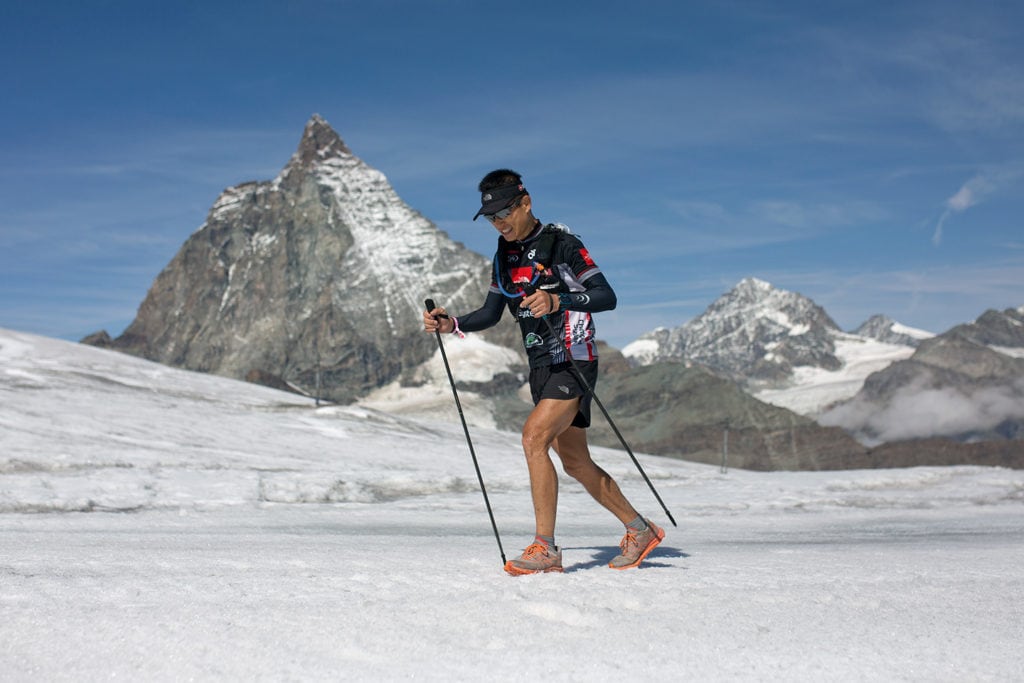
(536, 440)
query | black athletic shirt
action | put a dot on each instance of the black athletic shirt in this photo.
(571, 271)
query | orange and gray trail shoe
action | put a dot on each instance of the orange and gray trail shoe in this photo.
(535, 559)
(636, 545)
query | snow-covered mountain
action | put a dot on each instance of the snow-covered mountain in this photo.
(886, 382)
(781, 346)
(753, 332)
(322, 268)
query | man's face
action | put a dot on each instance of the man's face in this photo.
(518, 223)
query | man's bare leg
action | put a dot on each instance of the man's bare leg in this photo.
(549, 418)
(572, 449)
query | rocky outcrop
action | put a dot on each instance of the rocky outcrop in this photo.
(1003, 329)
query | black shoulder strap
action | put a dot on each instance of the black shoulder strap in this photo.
(542, 248)
(545, 245)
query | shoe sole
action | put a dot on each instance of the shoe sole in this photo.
(659, 535)
(519, 571)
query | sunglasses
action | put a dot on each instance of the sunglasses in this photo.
(504, 213)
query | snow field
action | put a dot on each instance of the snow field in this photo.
(162, 525)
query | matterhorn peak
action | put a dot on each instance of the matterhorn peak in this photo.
(319, 141)
(313, 279)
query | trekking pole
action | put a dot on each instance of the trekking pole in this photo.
(429, 303)
(590, 390)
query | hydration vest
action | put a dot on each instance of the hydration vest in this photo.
(539, 252)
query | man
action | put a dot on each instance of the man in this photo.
(546, 271)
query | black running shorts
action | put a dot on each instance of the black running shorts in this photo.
(561, 382)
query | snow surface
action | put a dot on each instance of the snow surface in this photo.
(157, 524)
(1011, 351)
(642, 351)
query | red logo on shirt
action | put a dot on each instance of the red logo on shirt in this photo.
(522, 274)
(586, 257)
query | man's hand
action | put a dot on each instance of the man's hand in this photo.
(437, 320)
(541, 303)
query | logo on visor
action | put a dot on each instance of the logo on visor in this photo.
(488, 197)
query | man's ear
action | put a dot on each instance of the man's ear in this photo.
(527, 202)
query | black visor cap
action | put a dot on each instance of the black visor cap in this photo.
(494, 200)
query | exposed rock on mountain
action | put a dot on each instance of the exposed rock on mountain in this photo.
(322, 267)
(940, 452)
(885, 329)
(753, 332)
(1001, 329)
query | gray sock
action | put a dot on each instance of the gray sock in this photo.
(638, 524)
(549, 541)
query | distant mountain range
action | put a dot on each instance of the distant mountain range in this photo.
(883, 382)
(758, 336)
(313, 281)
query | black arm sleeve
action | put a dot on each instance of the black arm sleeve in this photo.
(581, 271)
(486, 316)
(599, 296)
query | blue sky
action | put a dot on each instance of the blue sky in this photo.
(869, 155)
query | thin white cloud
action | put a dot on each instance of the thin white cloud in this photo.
(970, 193)
(973, 192)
